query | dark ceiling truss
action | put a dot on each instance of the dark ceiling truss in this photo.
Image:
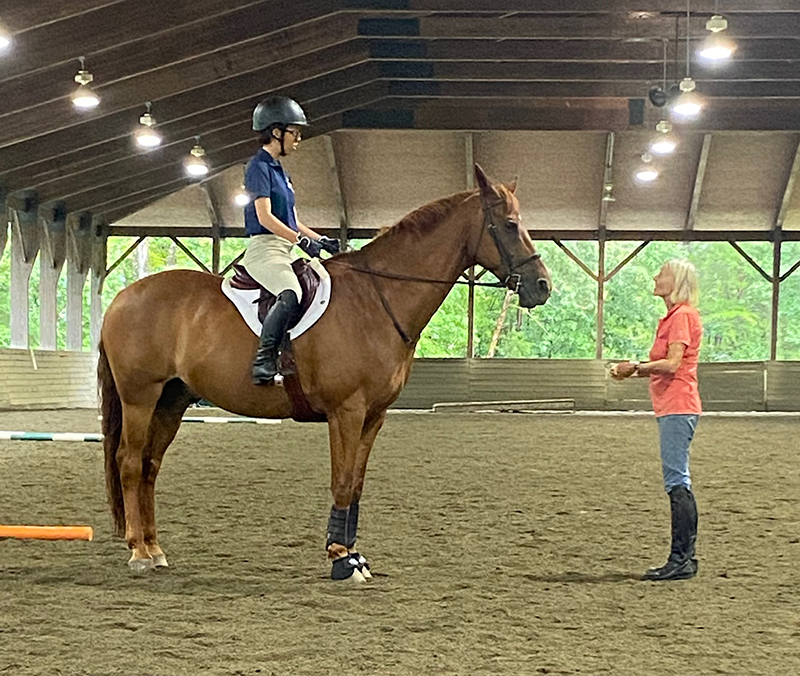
(355, 64)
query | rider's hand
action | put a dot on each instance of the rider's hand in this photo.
(311, 246)
(330, 244)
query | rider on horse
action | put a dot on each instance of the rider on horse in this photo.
(273, 227)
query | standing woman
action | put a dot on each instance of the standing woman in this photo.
(672, 369)
(272, 225)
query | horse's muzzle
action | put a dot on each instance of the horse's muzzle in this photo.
(537, 293)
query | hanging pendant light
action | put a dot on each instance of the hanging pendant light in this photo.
(646, 172)
(84, 97)
(664, 142)
(146, 135)
(196, 164)
(688, 104)
(717, 47)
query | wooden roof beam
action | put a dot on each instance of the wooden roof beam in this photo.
(464, 89)
(571, 71)
(606, 26)
(605, 114)
(24, 15)
(536, 49)
(400, 7)
(697, 189)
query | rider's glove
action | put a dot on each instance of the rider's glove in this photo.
(330, 244)
(311, 246)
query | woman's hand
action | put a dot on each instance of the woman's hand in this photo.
(311, 246)
(622, 370)
(330, 244)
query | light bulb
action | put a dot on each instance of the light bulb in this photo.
(147, 138)
(646, 172)
(663, 146)
(717, 48)
(196, 164)
(145, 135)
(242, 199)
(687, 106)
(85, 98)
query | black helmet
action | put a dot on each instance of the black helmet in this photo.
(280, 110)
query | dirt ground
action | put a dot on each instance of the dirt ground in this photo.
(501, 544)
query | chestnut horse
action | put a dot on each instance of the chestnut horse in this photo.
(173, 337)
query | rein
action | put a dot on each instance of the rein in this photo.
(511, 281)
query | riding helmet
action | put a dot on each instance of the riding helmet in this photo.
(278, 110)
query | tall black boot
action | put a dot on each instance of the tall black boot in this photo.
(681, 563)
(282, 315)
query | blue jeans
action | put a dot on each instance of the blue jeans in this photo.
(675, 433)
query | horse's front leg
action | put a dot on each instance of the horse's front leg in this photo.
(372, 425)
(345, 426)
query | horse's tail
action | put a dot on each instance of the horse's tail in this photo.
(111, 409)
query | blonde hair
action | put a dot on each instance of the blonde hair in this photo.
(685, 289)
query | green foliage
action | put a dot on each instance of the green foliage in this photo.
(735, 304)
(735, 301)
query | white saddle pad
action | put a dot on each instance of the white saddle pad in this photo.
(247, 302)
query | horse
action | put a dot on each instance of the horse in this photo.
(172, 338)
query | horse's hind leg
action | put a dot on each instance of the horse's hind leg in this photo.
(136, 417)
(164, 425)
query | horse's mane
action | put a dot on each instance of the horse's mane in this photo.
(425, 217)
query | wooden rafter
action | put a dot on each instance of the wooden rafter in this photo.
(697, 188)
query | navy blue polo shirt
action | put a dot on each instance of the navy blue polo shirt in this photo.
(265, 177)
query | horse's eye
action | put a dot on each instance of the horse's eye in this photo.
(511, 224)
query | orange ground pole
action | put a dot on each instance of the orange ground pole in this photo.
(47, 532)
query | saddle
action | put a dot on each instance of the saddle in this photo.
(309, 282)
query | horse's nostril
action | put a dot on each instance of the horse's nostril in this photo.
(544, 285)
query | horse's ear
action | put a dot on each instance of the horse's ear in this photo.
(512, 187)
(483, 181)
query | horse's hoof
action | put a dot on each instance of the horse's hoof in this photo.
(139, 566)
(160, 561)
(351, 567)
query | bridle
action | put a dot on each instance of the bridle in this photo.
(511, 279)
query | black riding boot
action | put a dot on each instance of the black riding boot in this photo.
(681, 563)
(282, 315)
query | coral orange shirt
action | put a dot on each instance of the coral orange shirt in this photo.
(676, 393)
